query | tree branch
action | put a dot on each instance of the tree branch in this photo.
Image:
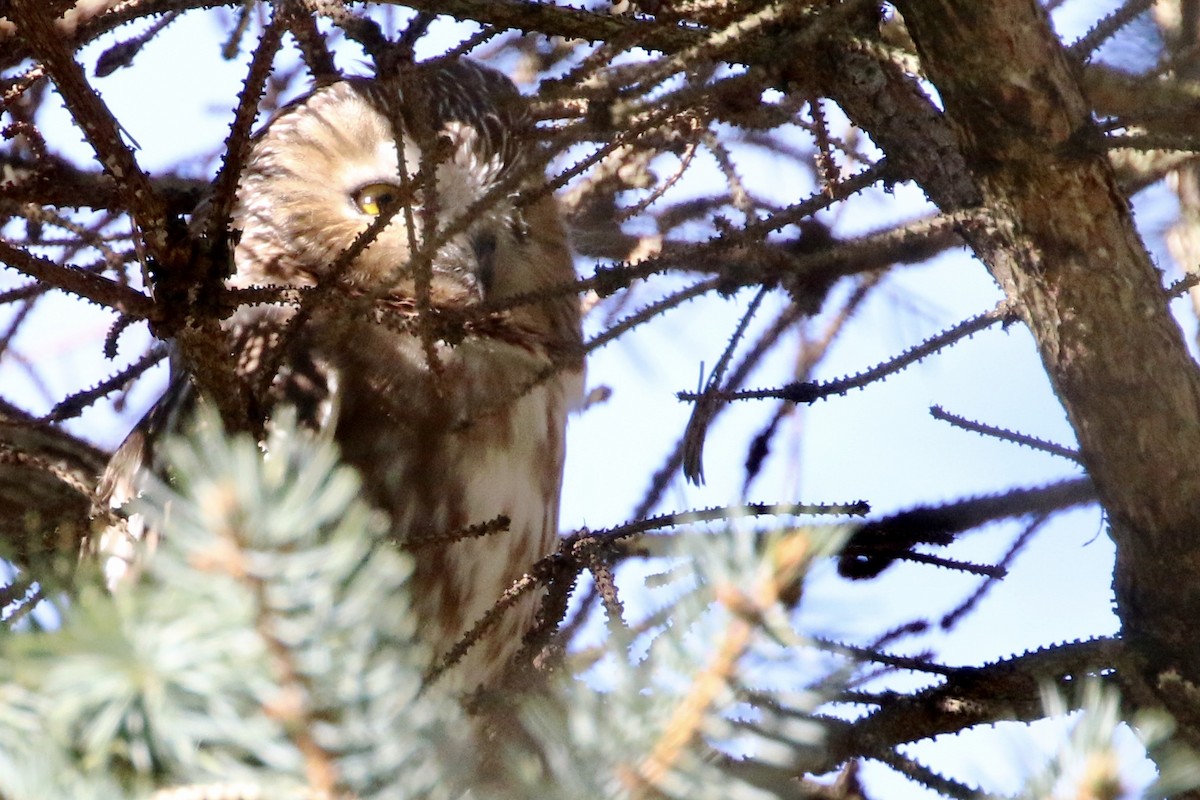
(1091, 297)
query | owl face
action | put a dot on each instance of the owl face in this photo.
(327, 167)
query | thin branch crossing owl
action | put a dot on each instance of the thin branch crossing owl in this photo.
(437, 160)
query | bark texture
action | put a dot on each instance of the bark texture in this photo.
(1061, 241)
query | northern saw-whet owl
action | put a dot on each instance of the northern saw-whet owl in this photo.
(444, 435)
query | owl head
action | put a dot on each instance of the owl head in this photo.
(441, 149)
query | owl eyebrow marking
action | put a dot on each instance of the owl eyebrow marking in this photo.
(320, 106)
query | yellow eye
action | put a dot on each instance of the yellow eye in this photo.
(375, 198)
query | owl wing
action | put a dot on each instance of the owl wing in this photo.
(117, 544)
(302, 381)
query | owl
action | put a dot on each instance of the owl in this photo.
(446, 431)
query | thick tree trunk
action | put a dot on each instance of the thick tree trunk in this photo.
(1060, 239)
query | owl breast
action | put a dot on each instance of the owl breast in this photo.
(452, 446)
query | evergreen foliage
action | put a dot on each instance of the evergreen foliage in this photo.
(268, 644)
(267, 651)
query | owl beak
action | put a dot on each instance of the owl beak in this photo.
(483, 245)
(465, 268)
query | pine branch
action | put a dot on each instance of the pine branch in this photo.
(1006, 689)
(84, 284)
(874, 546)
(809, 392)
(937, 412)
(101, 129)
(47, 484)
